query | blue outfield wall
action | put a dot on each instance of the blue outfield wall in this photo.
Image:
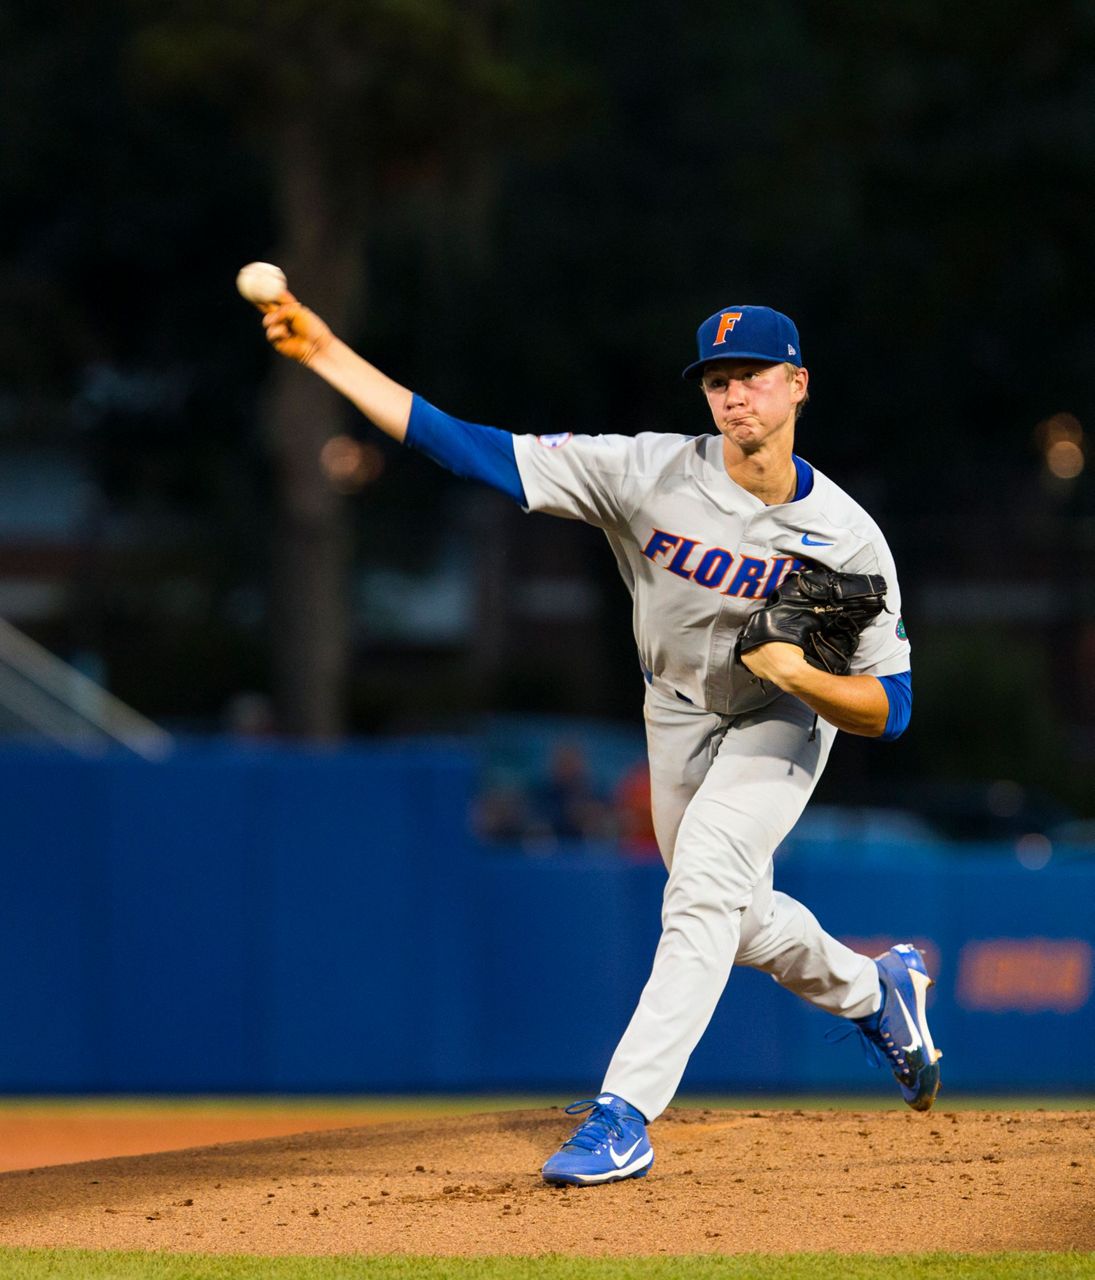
(286, 920)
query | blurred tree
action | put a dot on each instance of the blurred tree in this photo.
(347, 101)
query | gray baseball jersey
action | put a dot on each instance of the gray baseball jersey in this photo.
(699, 553)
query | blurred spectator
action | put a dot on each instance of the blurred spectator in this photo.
(634, 819)
(547, 789)
(568, 803)
(502, 813)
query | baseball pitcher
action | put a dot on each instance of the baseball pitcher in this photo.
(767, 618)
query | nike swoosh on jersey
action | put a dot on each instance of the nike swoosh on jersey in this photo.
(807, 541)
(620, 1161)
(916, 1042)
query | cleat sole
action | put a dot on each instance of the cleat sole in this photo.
(637, 1169)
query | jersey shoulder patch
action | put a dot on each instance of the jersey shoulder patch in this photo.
(556, 440)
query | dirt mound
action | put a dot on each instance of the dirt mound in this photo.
(38, 1132)
(723, 1182)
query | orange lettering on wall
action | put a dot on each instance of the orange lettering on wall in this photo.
(1028, 975)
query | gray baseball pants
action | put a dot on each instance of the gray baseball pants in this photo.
(725, 791)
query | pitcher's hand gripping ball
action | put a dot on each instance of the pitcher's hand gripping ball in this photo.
(821, 611)
(261, 283)
(291, 329)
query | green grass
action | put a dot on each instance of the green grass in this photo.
(64, 1264)
(72, 1264)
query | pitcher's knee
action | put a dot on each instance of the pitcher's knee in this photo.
(778, 962)
(702, 936)
(731, 863)
(720, 890)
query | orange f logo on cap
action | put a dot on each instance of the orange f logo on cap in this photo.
(726, 322)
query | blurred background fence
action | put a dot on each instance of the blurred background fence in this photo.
(291, 919)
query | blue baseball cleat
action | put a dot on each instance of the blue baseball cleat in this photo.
(899, 1030)
(610, 1144)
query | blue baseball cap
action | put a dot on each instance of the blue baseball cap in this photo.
(746, 333)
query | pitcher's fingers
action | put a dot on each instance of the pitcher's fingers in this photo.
(286, 311)
(285, 299)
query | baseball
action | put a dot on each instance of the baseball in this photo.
(261, 283)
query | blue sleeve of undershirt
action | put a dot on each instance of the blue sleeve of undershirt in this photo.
(899, 692)
(466, 448)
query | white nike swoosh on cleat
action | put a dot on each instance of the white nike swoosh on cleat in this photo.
(916, 1042)
(620, 1161)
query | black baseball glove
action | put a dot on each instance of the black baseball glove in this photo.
(821, 611)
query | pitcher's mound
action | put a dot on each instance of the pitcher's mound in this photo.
(722, 1182)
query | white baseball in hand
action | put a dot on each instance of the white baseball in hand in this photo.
(261, 283)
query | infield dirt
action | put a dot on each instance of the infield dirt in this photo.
(723, 1182)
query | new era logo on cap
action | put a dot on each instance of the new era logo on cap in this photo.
(745, 333)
